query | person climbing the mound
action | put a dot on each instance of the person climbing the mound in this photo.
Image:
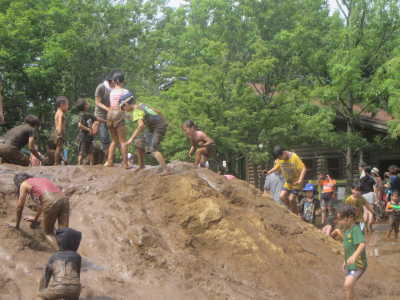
(150, 131)
(16, 138)
(357, 201)
(202, 145)
(293, 170)
(61, 277)
(51, 202)
(355, 258)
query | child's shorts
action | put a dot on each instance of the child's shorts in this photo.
(115, 118)
(85, 148)
(294, 192)
(355, 273)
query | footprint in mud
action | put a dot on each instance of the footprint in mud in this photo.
(88, 265)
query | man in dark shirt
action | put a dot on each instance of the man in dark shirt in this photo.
(61, 278)
(16, 138)
(102, 95)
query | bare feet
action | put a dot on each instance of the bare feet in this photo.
(107, 164)
(165, 172)
(138, 169)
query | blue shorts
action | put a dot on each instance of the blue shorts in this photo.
(294, 192)
(355, 273)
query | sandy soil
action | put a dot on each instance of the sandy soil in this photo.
(191, 235)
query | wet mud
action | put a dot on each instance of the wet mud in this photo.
(190, 235)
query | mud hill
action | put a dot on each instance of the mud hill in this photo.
(191, 235)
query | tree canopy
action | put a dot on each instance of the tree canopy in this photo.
(258, 72)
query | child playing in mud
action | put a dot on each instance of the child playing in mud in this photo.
(150, 130)
(52, 203)
(88, 126)
(18, 137)
(357, 201)
(393, 210)
(293, 170)
(116, 120)
(202, 144)
(61, 278)
(355, 258)
(308, 204)
(62, 103)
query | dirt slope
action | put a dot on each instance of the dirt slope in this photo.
(191, 235)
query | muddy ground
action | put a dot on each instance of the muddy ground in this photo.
(191, 235)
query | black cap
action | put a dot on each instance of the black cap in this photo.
(278, 151)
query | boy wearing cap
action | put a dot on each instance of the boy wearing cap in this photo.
(293, 170)
(149, 133)
(308, 204)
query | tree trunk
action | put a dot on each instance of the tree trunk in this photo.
(349, 159)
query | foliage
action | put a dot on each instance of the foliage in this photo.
(259, 72)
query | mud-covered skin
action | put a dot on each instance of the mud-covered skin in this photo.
(151, 139)
(192, 235)
(61, 278)
(12, 155)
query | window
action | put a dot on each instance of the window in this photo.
(311, 170)
(334, 168)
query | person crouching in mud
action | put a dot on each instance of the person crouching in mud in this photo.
(61, 278)
(52, 203)
(18, 137)
(202, 144)
(150, 131)
(355, 258)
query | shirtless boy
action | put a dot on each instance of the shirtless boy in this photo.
(202, 144)
(62, 103)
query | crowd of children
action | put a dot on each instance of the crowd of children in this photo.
(114, 103)
(115, 106)
(347, 221)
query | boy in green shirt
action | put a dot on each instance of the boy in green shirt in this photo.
(150, 131)
(355, 257)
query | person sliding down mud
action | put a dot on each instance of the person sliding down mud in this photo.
(202, 144)
(16, 138)
(61, 278)
(153, 125)
(52, 202)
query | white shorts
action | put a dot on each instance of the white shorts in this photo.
(370, 197)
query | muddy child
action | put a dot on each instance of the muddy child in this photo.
(51, 202)
(116, 120)
(203, 146)
(150, 131)
(61, 278)
(393, 210)
(358, 202)
(18, 137)
(62, 104)
(88, 126)
(355, 258)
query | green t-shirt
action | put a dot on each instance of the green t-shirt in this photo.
(352, 238)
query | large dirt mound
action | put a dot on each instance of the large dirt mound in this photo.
(190, 235)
